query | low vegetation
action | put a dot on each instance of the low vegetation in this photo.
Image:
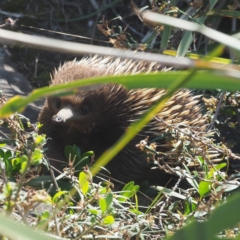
(75, 206)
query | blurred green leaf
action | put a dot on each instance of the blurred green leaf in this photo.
(39, 182)
(224, 13)
(83, 182)
(108, 220)
(220, 79)
(56, 198)
(36, 156)
(39, 139)
(216, 222)
(216, 52)
(23, 163)
(20, 231)
(212, 3)
(94, 211)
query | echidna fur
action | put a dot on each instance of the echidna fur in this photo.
(95, 117)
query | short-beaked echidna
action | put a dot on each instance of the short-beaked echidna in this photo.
(96, 117)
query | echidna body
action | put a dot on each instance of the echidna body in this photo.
(96, 117)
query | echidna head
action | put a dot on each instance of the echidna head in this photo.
(89, 110)
(78, 111)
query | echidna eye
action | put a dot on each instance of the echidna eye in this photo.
(84, 110)
(58, 103)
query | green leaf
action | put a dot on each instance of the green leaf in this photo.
(184, 44)
(5, 154)
(109, 199)
(87, 154)
(204, 188)
(94, 211)
(23, 166)
(128, 191)
(212, 3)
(39, 139)
(56, 198)
(220, 166)
(191, 180)
(36, 156)
(6, 157)
(190, 206)
(77, 149)
(108, 220)
(103, 204)
(16, 162)
(83, 182)
(201, 160)
(45, 215)
(38, 182)
(128, 186)
(215, 169)
(71, 153)
(224, 13)
(165, 37)
(10, 169)
(82, 162)
(149, 38)
(8, 189)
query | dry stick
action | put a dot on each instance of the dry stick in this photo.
(62, 33)
(52, 174)
(166, 202)
(8, 37)
(97, 17)
(21, 213)
(238, 117)
(36, 66)
(217, 111)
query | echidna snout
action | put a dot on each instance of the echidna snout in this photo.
(63, 115)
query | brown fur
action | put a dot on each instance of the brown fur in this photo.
(97, 116)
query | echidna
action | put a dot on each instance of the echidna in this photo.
(95, 117)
